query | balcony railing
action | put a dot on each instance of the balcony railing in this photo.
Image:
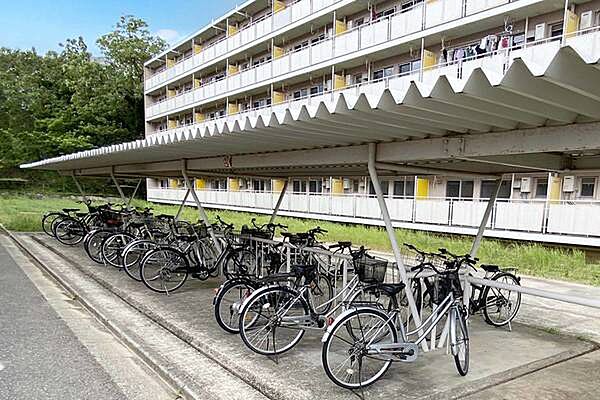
(418, 18)
(579, 218)
(365, 36)
(254, 31)
(538, 55)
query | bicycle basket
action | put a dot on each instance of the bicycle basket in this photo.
(370, 269)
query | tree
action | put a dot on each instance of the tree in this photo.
(63, 102)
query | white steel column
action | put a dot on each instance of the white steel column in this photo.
(180, 209)
(279, 201)
(79, 187)
(123, 198)
(201, 210)
(485, 218)
(134, 192)
(392, 236)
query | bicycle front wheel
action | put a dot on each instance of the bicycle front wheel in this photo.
(228, 303)
(47, 222)
(164, 270)
(272, 321)
(460, 341)
(93, 244)
(501, 305)
(349, 353)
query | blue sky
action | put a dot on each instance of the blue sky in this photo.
(44, 24)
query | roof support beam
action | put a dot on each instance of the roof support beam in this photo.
(431, 171)
(576, 137)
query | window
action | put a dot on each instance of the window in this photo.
(556, 30)
(299, 186)
(316, 90)
(459, 189)
(588, 187)
(315, 186)
(298, 94)
(385, 13)
(410, 66)
(384, 188)
(541, 188)
(409, 4)
(404, 188)
(163, 183)
(383, 73)
(487, 189)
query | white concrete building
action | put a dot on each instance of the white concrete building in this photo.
(302, 59)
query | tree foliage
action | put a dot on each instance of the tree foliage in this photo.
(68, 101)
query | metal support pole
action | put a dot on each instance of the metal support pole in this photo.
(279, 201)
(486, 218)
(134, 192)
(123, 198)
(79, 187)
(180, 210)
(201, 210)
(392, 236)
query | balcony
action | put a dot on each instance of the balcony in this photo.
(537, 56)
(332, 50)
(255, 31)
(510, 218)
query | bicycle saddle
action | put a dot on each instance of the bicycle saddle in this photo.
(136, 224)
(490, 268)
(68, 210)
(165, 216)
(80, 214)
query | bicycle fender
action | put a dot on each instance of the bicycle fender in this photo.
(335, 323)
(256, 293)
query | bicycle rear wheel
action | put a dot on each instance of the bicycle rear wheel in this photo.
(228, 303)
(347, 354)
(501, 305)
(272, 320)
(70, 231)
(47, 221)
(93, 244)
(113, 246)
(164, 270)
(132, 256)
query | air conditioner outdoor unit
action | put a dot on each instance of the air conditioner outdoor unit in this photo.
(526, 185)
(569, 184)
(540, 31)
(347, 184)
(585, 21)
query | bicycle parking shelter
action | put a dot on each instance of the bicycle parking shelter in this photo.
(526, 122)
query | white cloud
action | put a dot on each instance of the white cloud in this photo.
(169, 35)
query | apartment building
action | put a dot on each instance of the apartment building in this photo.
(290, 55)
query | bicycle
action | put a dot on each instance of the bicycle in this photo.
(361, 344)
(499, 306)
(238, 287)
(273, 311)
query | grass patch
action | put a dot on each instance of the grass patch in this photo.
(23, 213)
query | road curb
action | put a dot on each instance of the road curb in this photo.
(180, 387)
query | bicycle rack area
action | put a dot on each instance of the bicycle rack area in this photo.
(399, 266)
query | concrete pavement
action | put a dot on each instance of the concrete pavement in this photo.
(41, 357)
(498, 356)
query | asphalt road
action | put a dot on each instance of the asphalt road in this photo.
(40, 357)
